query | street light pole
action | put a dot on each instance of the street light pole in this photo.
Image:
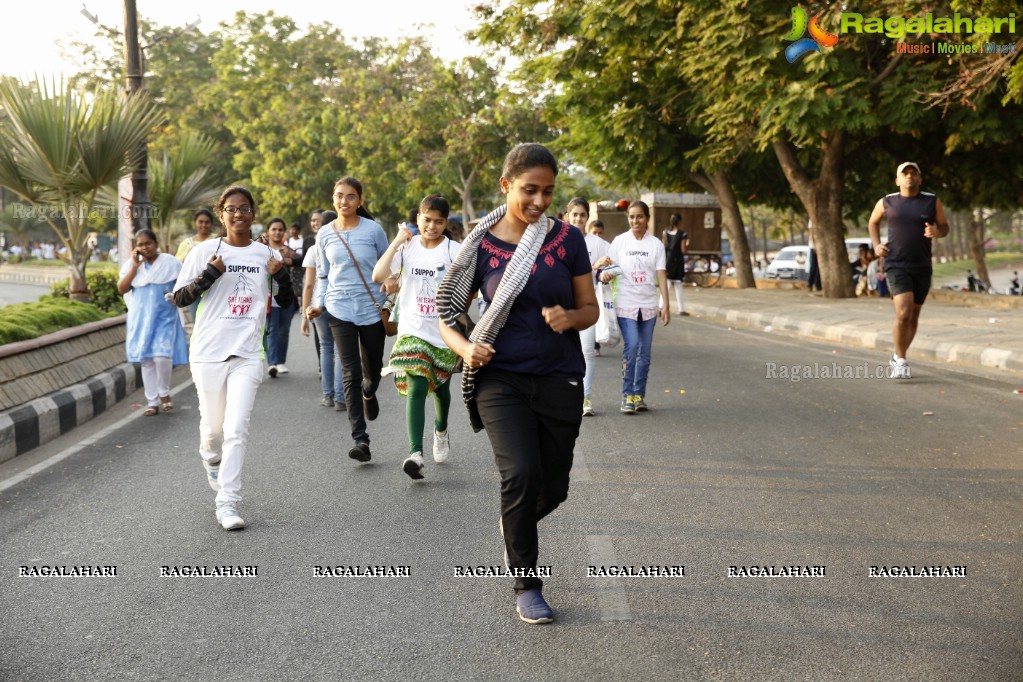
(141, 206)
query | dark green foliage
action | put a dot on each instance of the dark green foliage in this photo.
(24, 321)
(102, 290)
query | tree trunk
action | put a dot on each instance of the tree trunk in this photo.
(977, 240)
(719, 185)
(822, 198)
(961, 237)
(465, 194)
(77, 289)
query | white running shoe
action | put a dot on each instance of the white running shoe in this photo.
(282, 369)
(588, 408)
(212, 473)
(413, 466)
(441, 447)
(899, 368)
(229, 519)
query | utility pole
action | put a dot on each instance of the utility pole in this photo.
(134, 70)
(141, 206)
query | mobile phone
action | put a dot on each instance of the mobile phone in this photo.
(138, 257)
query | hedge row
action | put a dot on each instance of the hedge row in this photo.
(102, 288)
(24, 321)
(55, 312)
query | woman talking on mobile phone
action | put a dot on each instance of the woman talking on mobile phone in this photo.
(155, 337)
(232, 277)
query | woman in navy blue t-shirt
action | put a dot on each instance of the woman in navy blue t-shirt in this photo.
(523, 375)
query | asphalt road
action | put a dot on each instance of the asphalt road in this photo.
(15, 292)
(741, 470)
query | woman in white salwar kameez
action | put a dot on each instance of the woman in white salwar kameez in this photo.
(155, 337)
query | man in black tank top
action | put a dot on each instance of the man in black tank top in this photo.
(914, 218)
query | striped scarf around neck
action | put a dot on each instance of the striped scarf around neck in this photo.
(456, 288)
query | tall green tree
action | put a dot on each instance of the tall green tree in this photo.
(59, 147)
(617, 94)
(276, 90)
(985, 72)
(482, 122)
(178, 73)
(819, 114)
(180, 181)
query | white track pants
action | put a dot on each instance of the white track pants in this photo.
(227, 392)
(156, 379)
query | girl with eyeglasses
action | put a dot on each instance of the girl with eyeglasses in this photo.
(232, 277)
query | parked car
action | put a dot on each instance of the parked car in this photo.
(792, 262)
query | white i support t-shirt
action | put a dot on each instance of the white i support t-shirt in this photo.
(232, 312)
(422, 269)
(640, 259)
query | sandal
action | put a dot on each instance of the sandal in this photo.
(151, 411)
(168, 404)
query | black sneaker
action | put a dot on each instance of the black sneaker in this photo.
(413, 466)
(360, 452)
(370, 406)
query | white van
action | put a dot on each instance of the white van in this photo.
(792, 262)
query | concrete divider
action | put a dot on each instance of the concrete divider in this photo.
(51, 384)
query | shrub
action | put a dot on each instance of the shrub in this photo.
(24, 321)
(102, 286)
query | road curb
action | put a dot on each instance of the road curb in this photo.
(971, 355)
(41, 420)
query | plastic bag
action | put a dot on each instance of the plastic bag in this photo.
(608, 333)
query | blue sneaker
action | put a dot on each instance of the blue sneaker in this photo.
(627, 405)
(639, 404)
(532, 608)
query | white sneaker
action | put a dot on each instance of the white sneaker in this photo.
(282, 369)
(413, 466)
(588, 408)
(229, 519)
(212, 473)
(441, 447)
(899, 368)
(272, 371)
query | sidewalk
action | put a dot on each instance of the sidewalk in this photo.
(949, 331)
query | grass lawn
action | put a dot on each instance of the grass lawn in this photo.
(1011, 261)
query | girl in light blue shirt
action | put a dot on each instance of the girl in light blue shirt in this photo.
(350, 246)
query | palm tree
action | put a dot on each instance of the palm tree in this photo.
(60, 146)
(180, 182)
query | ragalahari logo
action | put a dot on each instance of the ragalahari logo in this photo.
(804, 46)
